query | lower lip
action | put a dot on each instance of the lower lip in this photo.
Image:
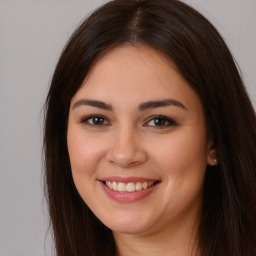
(127, 197)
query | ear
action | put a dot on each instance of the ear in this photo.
(212, 156)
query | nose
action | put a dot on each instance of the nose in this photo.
(127, 150)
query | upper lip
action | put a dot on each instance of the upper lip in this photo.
(127, 179)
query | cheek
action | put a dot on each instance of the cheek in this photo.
(183, 163)
(183, 149)
(84, 152)
(182, 158)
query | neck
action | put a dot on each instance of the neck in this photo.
(179, 239)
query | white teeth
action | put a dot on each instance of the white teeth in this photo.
(121, 187)
(109, 184)
(145, 185)
(129, 187)
(138, 186)
(114, 186)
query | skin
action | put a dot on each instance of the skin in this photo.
(128, 141)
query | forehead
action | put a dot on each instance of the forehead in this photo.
(132, 73)
(139, 62)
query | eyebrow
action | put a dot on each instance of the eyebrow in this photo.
(93, 103)
(142, 107)
(161, 103)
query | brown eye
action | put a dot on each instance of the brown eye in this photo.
(161, 122)
(95, 120)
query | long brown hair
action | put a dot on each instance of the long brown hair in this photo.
(228, 221)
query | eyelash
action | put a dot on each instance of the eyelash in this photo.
(93, 117)
(166, 121)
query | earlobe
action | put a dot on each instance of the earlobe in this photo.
(212, 156)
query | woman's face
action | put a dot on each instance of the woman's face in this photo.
(137, 142)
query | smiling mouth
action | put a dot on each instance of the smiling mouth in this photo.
(129, 187)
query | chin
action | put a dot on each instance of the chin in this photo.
(129, 229)
(129, 224)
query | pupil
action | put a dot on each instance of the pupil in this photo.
(159, 122)
(98, 120)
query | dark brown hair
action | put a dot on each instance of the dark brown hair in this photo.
(227, 226)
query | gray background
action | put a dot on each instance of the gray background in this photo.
(32, 34)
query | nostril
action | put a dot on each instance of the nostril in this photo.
(128, 158)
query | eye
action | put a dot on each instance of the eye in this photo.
(95, 120)
(161, 122)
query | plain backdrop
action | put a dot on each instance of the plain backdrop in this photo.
(32, 35)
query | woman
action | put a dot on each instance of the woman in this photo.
(149, 137)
